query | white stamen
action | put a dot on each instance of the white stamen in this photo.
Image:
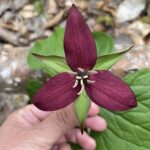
(78, 77)
(81, 69)
(82, 87)
(90, 81)
(92, 72)
(76, 84)
(85, 77)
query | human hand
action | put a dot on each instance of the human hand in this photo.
(32, 129)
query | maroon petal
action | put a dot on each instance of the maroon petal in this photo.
(110, 92)
(56, 93)
(79, 45)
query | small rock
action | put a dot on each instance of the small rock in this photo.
(61, 3)
(124, 39)
(8, 16)
(14, 70)
(28, 12)
(139, 27)
(91, 22)
(7, 46)
(137, 58)
(13, 66)
(4, 5)
(68, 3)
(36, 24)
(63, 24)
(83, 5)
(11, 4)
(95, 7)
(17, 4)
(129, 10)
(10, 102)
(114, 3)
(17, 79)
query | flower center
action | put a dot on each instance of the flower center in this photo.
(82, 78)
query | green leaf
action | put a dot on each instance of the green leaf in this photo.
(129, 130)
(32, 86)
(104, 43)
(51, 46)
(105, 62)
(82, 104)
(53, 64)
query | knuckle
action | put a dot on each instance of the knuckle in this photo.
(66, 117)
(62, 117)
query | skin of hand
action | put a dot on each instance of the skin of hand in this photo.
(32, 129)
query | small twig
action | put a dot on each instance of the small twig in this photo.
(7, 26)
(54, 20)
(12, 38)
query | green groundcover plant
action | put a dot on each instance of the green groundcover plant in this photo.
(69, 58)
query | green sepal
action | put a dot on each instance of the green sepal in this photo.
(81, 105)
(53, 64)
(105, 62)
(51, 46)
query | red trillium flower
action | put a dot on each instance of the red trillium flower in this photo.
(102, 87)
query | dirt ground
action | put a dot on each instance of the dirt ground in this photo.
(22, 22)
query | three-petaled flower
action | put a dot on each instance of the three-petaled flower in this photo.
(102, 87)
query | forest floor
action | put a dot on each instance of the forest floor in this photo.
(22, 22)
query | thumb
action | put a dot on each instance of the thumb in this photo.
(57, 124)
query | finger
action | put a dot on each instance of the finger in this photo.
(55, 147)
(96, 123)
(57, 124)
(84, 140)
(94, 110)
(29, 115)
(64, 146)
(61, 140)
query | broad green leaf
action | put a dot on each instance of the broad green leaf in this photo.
(104, 43)
(51, 46)
(129, 130)
(32, 86)
(82, 104)
(53, 64)
(105, 62)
